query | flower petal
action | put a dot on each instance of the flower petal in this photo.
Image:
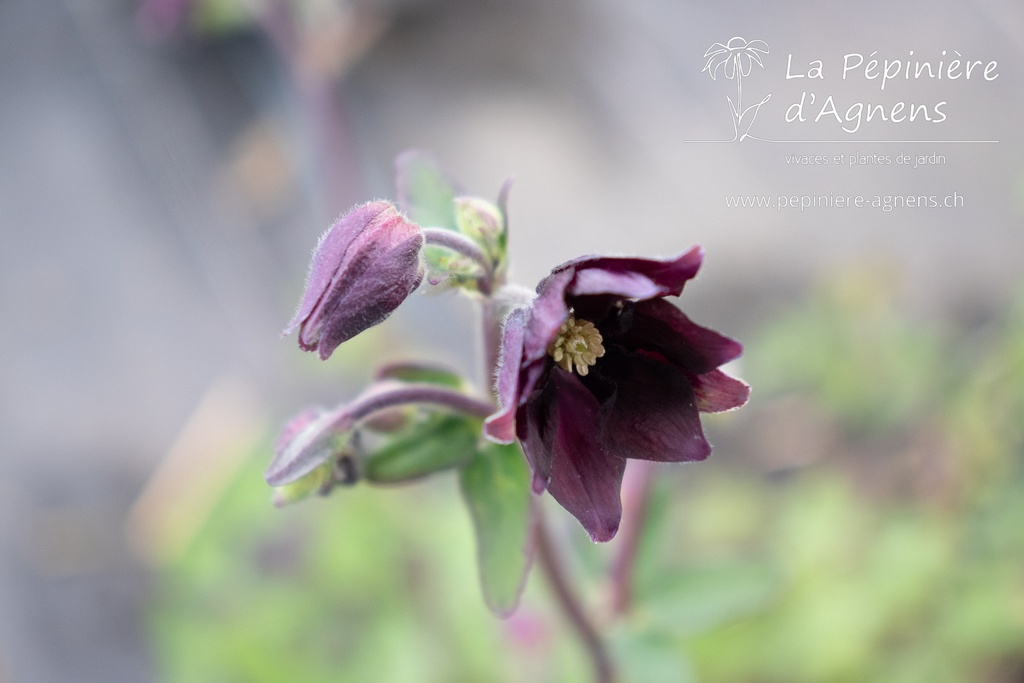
(659, 326)
(535, 427)
(717, 392)
(585, 476)
(619, 283)
(669, 274)
(331, 249)
(547, 313)
(368, 292)
(652, 414)
(500, 426)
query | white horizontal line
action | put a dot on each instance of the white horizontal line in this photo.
(862, 142)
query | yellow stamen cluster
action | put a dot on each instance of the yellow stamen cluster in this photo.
(578, 343)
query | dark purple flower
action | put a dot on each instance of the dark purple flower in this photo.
(363, 268)
(600, 368)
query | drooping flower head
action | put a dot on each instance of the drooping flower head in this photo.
(600, 368)
(364, 267)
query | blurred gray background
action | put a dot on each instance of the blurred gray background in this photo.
(163, 181)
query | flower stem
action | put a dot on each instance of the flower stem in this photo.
(636, 496)
(570, 604)
(375, 401)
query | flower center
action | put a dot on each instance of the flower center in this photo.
(578, 343)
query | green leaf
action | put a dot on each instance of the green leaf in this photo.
(496, 487)
(425, 193)
(438, 443)
(416, 373)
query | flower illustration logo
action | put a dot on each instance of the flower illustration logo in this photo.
(736, 60)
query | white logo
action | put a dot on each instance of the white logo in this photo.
(736, 60)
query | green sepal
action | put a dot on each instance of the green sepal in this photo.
(438, 442)
(496, 487)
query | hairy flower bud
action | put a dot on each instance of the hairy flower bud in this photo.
(307, 443)
(363, 268)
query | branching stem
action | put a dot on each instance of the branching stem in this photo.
(449, 239)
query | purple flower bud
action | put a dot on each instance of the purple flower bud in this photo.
(363, 268)
(307, 442)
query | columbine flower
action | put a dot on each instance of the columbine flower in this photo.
(363, 268)
(736, 56)
(600, 368)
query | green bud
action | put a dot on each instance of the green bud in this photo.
(482, 222)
